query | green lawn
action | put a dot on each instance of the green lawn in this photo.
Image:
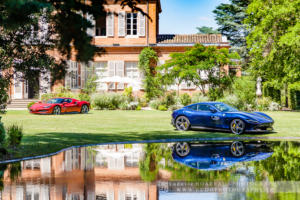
(45, 134)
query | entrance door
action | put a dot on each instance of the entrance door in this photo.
(18, 88)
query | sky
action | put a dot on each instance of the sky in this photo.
(183, 16)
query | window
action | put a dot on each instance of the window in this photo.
(131, 70)
(131, 23)
(101, 26)
(193, 107)
(203, 107)
(101, 69)
(72, 75)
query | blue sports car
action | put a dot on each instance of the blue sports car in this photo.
(219, 156)
(220, 116)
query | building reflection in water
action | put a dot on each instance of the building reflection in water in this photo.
(150, 171)
(106, 172)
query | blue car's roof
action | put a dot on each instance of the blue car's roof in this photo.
(208, 102)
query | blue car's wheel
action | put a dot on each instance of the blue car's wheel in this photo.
(237, 149)
(182, 149)
(182, 123)
(237, 126)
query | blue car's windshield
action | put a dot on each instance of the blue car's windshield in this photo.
(53, 101)
(224, 108)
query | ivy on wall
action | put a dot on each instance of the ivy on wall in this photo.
(147, 64)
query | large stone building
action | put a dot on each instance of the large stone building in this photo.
(123, 36)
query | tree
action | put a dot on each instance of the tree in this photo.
(199, 65)
(274, 41)
(230, 18)
(147, 64)
(207, 30)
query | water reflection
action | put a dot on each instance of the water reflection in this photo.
(245, 170)
(218, 156)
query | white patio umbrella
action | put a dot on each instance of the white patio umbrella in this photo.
(117, 79)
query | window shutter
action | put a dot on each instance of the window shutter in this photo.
(121, 24)
(111, 68)
(91, 31)
(141, 24)
(110, 24)
(120, 68)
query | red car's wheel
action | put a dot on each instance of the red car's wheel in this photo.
(84, 109)
(56, 110)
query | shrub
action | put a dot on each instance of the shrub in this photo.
(245, 90)
(162, 108)
(2, 132)
(91, 85)
(169, 99)
(175, 107)
(199, 97)
(263, 103)
(138, 107)
(215, 93)
(108, 101)
(142, 102)
(15, 134)
(84, 97)
(185, 99)
(100, 102)
(129, 106)
(155, 103)
(274, 106)
(47, 96)
(128, 94)
(30, 104)
(231, 100)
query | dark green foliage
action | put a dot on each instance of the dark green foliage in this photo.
(207, 30)
(3, 92)
(15, 134)
(230, 19)
(294, 96)
(215, 93)
(2, 132)
(147, 64)
(271, 89)
(185, 99)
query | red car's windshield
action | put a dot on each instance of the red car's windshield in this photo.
(53, 101)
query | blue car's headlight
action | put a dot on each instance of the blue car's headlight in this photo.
(46, 106)
(252, 121)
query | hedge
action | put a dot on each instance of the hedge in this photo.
(292, 91)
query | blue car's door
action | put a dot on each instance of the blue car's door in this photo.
(204, 116)
(218, 120)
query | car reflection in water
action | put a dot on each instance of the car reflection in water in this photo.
(219, 156)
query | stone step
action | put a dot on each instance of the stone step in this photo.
(20, 103)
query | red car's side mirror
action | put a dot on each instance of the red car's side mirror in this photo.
(39, 102)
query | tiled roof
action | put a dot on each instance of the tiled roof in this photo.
(190, 39)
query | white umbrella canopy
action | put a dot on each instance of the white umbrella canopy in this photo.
(117, 79)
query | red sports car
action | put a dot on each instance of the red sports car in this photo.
(57, 106)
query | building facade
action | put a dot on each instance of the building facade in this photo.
(123, 34)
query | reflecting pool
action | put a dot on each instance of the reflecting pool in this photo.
(182, 170)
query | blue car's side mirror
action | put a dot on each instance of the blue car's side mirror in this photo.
(213, 110)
